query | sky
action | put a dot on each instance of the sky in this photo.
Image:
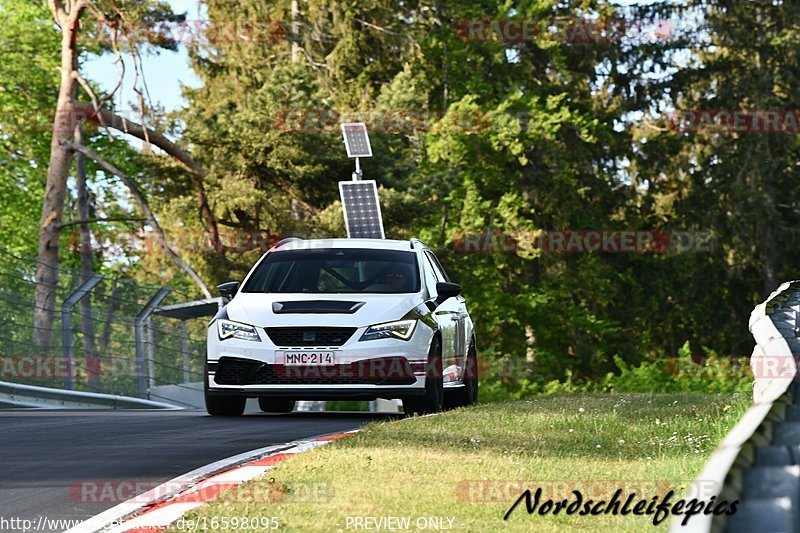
(164, 73)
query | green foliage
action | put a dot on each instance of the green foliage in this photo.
(505, 379)
(347, 406)
(519, 138)
(714, 374)
(29, 85)
(28, 89)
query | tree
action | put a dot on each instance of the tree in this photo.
(518, 136)
(29, 79)
(118, 17)
(700, 172)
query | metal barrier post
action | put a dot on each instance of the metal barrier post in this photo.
(185, 351)
(139, 334)
(66, 326)
(151, 359)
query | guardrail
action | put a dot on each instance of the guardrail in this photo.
(118, 336)
(31, 396)
(758, 462)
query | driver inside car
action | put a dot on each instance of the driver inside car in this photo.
(395, 278)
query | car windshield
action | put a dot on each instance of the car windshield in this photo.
(343, 270)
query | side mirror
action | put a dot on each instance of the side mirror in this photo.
(447, 290)
(227, 290)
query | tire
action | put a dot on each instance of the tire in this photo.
(453, 399)
(225, 405)
(468, 394)
(275, 405)
(222, 405)
(433, 400)
(471, 376)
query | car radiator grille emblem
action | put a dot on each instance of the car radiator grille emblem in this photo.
(309, 336)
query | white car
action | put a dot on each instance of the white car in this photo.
(342, 319)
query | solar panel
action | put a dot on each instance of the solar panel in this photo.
(362, 211)
(356, 139)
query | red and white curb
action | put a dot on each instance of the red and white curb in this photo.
(163, 505)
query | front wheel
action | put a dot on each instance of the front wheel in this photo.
(222, 405)
(275, 405)
(225, 405)
(434, 385)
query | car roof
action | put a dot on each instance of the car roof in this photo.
(382, 244)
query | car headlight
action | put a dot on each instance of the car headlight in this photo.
(228, 329)
(401, 329)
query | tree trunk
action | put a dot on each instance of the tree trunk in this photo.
(86, 271)
(56, 187)
(766, 221)
(295, 28)
(764, 174)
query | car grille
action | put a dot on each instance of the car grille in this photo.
(311, 336)
(238, 372)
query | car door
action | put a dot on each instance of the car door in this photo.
(465, 326)
(448, 317)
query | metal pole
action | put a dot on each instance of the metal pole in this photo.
(151, 363)
(357, 173)
(66, 326)
(185, 351)
(139, 334)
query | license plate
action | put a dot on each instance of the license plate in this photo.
(308, 358)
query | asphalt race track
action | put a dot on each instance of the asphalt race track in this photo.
(48, 456)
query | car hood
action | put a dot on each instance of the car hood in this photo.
(258, 309)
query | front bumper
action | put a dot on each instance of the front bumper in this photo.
(384, 368)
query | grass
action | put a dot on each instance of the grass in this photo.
(453, 465)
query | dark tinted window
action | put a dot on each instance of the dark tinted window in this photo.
(343, 270)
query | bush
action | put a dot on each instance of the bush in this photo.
(709, 373)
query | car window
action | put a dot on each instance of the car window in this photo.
(430, 277)
(437, 267)
(331, 271)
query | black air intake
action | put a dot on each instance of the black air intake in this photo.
(316, 307)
